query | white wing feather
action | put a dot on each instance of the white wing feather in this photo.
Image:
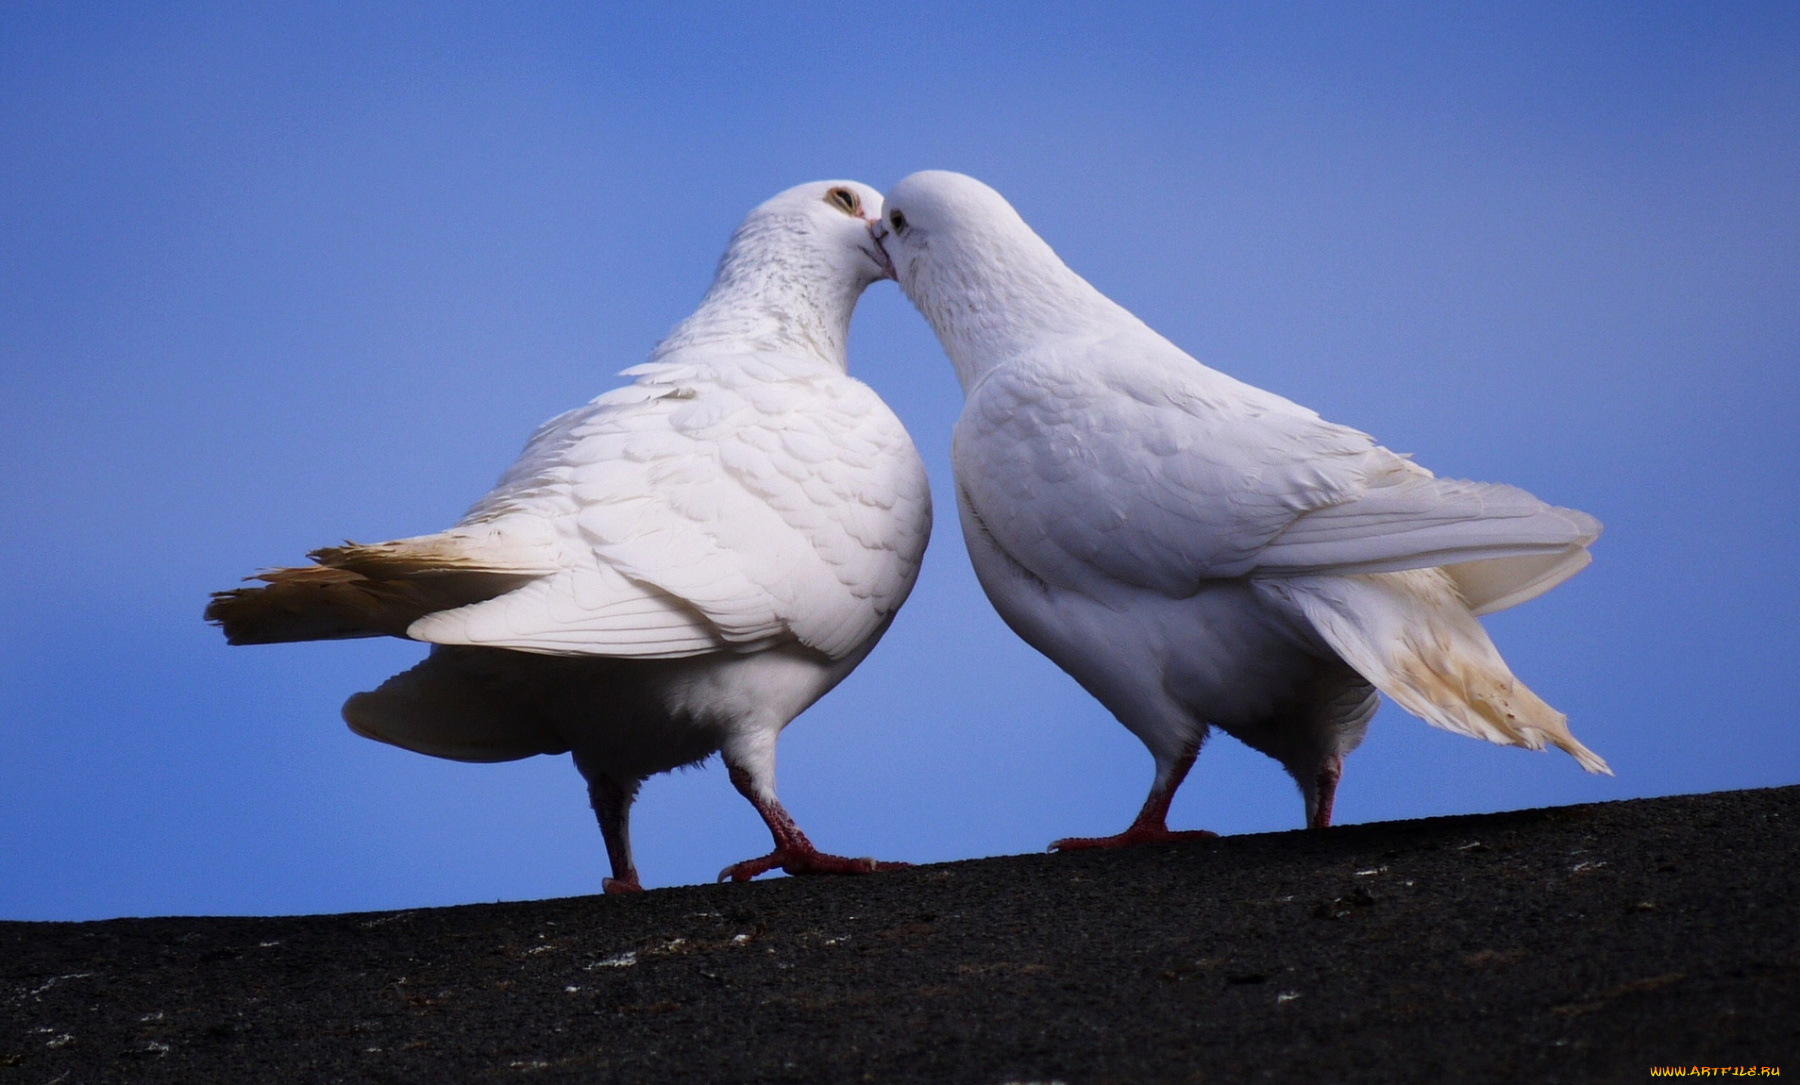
(1219, 479)
(717, 503)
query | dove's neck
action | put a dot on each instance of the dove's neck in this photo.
(990, 308)
(776, 292)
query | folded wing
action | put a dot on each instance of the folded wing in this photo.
(715, 507)
(1500, 545)
(1199, 477)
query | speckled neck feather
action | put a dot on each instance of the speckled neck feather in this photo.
(777, 289)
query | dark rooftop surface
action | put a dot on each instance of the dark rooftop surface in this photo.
(1585, 943)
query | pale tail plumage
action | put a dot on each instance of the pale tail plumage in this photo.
(1412, 635)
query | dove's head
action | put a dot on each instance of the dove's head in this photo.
(990, 287)
(824, 224)
(792, 274)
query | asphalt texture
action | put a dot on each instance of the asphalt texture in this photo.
(1584, 943)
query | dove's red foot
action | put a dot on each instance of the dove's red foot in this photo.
(804, 860)
(1151, 825)
(793, 852)
(615, 886)
(612, 805)
(1137, 834)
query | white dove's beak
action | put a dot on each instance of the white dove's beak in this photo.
(877, 231)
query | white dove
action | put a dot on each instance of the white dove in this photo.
(1197, 552)
(680, 567)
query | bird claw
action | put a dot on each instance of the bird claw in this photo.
(1137, 834)
(796, 861)
(619, 886)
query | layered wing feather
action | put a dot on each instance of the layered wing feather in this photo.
(717, 503)
(1123, 454)
(1500, 545)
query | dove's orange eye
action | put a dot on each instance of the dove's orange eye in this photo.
(844, 200)
(897, 221)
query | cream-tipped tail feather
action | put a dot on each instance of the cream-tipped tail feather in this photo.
(1412, 635)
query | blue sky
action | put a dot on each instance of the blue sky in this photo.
(273, 277)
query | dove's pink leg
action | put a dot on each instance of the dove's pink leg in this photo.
(1151, 826)
(1326, 783)
(793, 852)
(612, 806)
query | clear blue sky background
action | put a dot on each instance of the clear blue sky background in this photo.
(271, 277)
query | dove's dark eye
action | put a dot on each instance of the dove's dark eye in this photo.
(844, 200)
(897, 221)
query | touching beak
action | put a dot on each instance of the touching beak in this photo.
(877, 231)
